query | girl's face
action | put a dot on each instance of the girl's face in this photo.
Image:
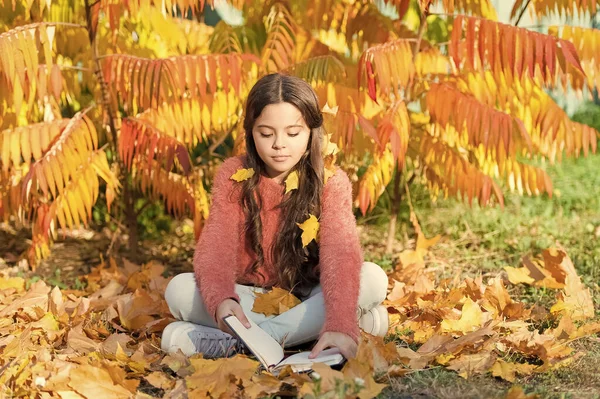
(281, 138)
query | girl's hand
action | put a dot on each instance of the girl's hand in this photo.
(230, 307)
(343, 342)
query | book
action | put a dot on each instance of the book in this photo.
(270, 353)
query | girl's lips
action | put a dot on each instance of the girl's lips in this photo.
(280, 158)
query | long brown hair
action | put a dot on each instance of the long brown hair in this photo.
(296, 265)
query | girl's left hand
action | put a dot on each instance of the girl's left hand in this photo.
(343, 342)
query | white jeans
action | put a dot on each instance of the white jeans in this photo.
(301, 324)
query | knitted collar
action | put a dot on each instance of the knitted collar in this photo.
(271, 189)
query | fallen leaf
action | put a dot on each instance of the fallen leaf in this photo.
(18, 283)
(426, 243)
(327, 377)
(575, 301)
(242, 174)
(361, 374)
(517, 392)
(444, 359)
(79, 342)
(508, 371)
(469, 365)
(263, 385)
(519, 275)
(94, 382)
(160, 380)
(36, 297)
(471, 318)
(310, 229)
(219, 376)
(274, 302)
(397, 292)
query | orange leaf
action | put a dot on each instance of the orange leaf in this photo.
(94, 382)
(274, 302)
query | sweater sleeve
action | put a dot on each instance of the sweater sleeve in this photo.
(341, 257)
(215, 255)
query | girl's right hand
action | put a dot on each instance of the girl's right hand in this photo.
(230, 307)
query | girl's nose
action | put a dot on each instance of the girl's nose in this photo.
(279, 142)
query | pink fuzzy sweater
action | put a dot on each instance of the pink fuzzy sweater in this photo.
(222, 254)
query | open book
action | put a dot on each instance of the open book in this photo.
(268, 351)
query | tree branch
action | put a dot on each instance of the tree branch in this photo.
(522, 13)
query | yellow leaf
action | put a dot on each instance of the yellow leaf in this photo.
(94, 382)
(328, 110)
(160, 380)
(310, 228)
(426, 243)
(516, 392)
(508, 371)
(470, 319)
(410, 257)
(576, 301)
(329, 147)
(361, 373)
(519, 275)
(219, 377)
(242, 174)
(121, 355)
(12, 282)
(470, 364)
(443, 359)
(291, 183)
(328, 173)
(47, 323)
(274, 302)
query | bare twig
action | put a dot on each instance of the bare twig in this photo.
(522, 12)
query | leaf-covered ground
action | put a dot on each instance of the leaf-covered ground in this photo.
(460, 327)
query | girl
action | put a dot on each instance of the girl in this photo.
(251, 240)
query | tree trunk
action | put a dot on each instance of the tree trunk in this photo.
(129, 194)
(131, 219)
(396, 200)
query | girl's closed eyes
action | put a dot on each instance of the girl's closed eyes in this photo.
(265, 135)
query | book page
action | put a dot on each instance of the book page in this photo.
(331, 356)
(265, 348)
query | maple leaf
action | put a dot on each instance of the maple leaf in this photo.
(519, 275)
(551, 271)
(329, 147)
(471, 364)
(242, 174)
(576, 300)
(328, 110)
(508, 371)
(310, 229)
(18, 283)
(263, 385)
(220, 376)
(291, 182)
(517, 392)
(362, 375)
(274, 302)
(160, 380)
(328, 174)
(471, 318)
(94, 382)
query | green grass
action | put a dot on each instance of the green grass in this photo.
(481, 241)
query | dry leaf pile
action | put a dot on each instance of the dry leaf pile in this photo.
(105, 342)
(475, 327)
